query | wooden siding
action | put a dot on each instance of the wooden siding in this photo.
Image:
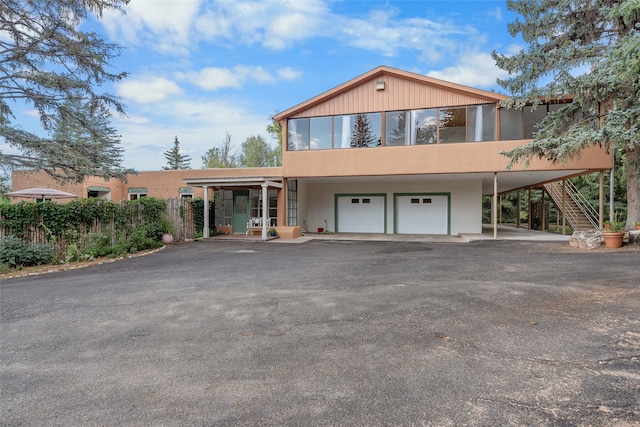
(399, 94)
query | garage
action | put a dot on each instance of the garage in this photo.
(422, 214)
(361, 213)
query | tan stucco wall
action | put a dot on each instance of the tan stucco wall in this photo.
(421, 159)
(164, 184)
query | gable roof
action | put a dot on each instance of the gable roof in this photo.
(380, 71)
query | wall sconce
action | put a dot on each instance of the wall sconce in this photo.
(380, 85)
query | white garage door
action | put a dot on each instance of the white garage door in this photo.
(360, 214)
(422, 214)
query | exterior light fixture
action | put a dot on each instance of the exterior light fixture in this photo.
(380, 85)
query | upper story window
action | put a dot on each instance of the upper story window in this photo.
(348, 131)
(470, 123)
(521, 124)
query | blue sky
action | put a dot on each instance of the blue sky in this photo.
(198, 69)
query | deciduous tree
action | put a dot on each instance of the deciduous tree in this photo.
(255, 153)
(50, 65)
(587, 51)
(220, 157)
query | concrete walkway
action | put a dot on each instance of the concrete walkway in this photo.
(504, 233)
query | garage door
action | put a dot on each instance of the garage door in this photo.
(361, 214)
(422, 214)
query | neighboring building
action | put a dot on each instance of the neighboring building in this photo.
(387, 152)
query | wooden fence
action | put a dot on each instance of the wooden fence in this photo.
(178, 211)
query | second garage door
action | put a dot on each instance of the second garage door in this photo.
(361, 214)
(422, 214)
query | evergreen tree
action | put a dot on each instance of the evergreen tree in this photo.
(587, 51)
(53, 67)
(175, 160)
(220, 157)
(362, 135)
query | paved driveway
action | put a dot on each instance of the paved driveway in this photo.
(328, 333)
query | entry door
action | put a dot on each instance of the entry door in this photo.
(240, 211)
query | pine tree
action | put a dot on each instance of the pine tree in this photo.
(175, 160)
(53, 67)
(587, 51)
(362, 135)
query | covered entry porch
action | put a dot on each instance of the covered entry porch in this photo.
(241, 203)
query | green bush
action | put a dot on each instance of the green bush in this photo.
(17, 252)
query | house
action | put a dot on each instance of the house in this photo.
(389, 151)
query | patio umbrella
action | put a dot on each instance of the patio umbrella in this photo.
(41, 192)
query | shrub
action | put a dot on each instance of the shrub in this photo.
(17, 252)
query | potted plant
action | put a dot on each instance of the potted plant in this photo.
(637, 224)
(167, 228)
(613, 233)
(272, 232)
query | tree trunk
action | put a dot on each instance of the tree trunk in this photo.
(632, 172)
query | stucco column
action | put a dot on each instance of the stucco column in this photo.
(265, 211)
(205, 229)
(495, 205)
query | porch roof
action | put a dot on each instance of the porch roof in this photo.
(271, 181)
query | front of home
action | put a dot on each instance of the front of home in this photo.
(387, 152)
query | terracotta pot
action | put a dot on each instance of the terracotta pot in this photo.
(612, 239)
(637, 227)
(167, 238)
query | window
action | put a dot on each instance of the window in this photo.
(424, 126)
(510, 124)
(137, 193)
(532, 118)
(398, 128)
(223, 207)
(320, 133)
(292, 202)
(453, 125)
(481, 123)
(298, 134)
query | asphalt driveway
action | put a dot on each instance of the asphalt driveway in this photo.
(328, 333)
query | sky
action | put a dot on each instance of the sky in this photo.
(201, 68)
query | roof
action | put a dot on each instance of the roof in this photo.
(384, 70)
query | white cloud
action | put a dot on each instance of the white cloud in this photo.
(163, 25)
(212, 78)
(144, 90)
(288, 73)
(476, 69)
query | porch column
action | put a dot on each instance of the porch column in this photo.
(564, 205)
(265, 211)
(529, 208)
(601, 202)
(495, 205)
(518, 208)
(205, 230)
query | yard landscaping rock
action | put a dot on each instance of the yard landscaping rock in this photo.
(633, 238)
(586, 239)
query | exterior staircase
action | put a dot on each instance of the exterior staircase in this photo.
(580, 215)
